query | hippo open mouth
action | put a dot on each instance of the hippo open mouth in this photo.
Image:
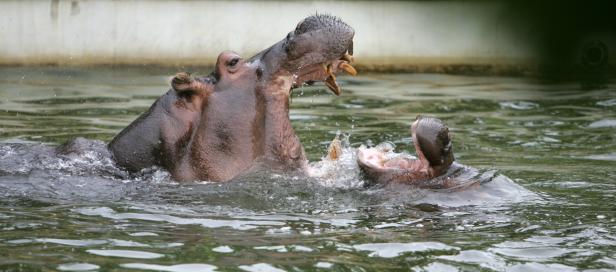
(318, 48)
(434, 158)
(338, 38)
(327, 70)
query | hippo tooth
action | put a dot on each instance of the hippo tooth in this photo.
(348, 68)
(331, 83)
(331, 80)
(347, 57)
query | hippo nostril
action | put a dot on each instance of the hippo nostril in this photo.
(259, 72)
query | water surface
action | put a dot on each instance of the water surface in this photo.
(550, 206)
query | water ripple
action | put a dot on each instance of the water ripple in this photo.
(125, 253)
(390, 250)
(519, 105)
(78, 267)
(605, 123)
(205, 222)
(260, 267)
(80, 213)
(171, 268)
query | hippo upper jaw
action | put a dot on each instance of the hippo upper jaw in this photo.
(318, 48)
(432, 143)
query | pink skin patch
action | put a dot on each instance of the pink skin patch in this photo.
(371, 157)
(376, 158)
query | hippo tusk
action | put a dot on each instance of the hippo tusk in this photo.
(347, 57)
(330, 82)
(348, 69)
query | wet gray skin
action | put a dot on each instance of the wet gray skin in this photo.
(216, 127)
(433, 144)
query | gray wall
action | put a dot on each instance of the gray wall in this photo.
(433, 36)
(194, 32)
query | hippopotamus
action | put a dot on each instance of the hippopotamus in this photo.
(434, 167)
(219, 126)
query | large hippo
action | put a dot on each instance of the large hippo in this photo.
(219, 126)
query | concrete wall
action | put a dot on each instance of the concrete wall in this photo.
(178, 32)
(433, 36)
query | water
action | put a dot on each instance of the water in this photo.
(549, 207)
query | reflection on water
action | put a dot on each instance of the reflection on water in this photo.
(550, 205)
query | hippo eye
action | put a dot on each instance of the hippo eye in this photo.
(233, 62)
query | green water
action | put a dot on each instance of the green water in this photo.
(552, 207)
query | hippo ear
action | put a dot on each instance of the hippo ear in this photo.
(184, 84)
(181, 82)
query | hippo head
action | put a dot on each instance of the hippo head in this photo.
(216, 127)
(320, 46)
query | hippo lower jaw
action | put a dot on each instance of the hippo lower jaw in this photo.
(381, 170)
(326, 72)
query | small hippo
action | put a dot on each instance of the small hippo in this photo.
(434, 167)
(219, 126)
